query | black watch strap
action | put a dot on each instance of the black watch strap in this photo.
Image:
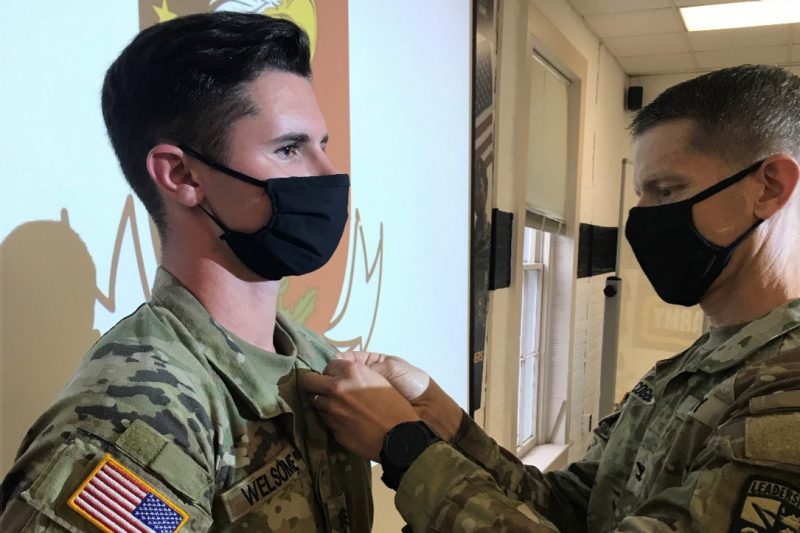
(402, 445)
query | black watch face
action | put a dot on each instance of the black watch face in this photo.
(406, 443)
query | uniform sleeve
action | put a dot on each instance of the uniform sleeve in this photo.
(443, 491)
(144, 423)
(745, 478)
(478, 482)
(75, 480)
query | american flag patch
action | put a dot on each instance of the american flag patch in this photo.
(117, 501)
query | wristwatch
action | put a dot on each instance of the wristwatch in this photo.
(401, 447)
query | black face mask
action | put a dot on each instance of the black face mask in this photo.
(308, 218)
(679, 262)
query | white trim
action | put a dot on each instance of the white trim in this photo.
(547, 457)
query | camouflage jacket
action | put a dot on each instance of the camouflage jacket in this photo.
(707, 441)
(208, 430)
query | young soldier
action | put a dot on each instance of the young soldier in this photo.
(187, 413)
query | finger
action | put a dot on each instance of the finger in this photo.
(314, 383)
(323, 405)
(387, 363)
(373, 358)
(339, 367)
(314, 398)
(347, 356)
(384, 367)
(357, 357)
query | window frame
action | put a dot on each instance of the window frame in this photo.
(536, 257)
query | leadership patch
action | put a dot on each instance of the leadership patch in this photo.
(118, 501)
(767, 505)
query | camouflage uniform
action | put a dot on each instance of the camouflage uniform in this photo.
(708, 441)
(216, 426)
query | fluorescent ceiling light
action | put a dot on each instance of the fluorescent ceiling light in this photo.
(741, 14)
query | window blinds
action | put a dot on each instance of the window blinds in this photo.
(547, 144)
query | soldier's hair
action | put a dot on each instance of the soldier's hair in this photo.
(740, 114)
(185, 81)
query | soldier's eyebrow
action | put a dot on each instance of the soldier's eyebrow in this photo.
(296, 138)
(652, 181)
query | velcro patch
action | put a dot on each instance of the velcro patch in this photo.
(259, 487)
(116, 500)
(773, 438)
(767, 505)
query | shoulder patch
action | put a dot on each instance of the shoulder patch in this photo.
(116, 500)
(766, 505)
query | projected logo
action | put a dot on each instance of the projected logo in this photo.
(342, 299)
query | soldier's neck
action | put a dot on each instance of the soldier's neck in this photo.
(245, 306)
(758, 288)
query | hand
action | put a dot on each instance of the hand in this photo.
(430, 402)
(407, 379)
(358, 404)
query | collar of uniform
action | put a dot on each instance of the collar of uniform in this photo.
(312, 349)
(751, 337)
(251, 374)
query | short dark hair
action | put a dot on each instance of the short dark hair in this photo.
(184, 81)
(741, 114)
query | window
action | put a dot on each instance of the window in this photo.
(543, 354)
(536, 260)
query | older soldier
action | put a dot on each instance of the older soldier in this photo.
(187, 414)
(708, 440)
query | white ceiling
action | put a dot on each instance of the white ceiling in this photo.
(648, 37)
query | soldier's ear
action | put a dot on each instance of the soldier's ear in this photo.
(781, 174)
(175, 174)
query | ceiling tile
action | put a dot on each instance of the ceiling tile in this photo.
(739, 38)
(658, 64)
(645, 45)
(685, 3)
(635, 23)
(592, 7)
(796, 53)
(729, 58)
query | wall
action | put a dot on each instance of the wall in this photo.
(655, 85)
(600, 143)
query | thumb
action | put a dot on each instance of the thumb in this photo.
(409, 380)
(347, 356)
